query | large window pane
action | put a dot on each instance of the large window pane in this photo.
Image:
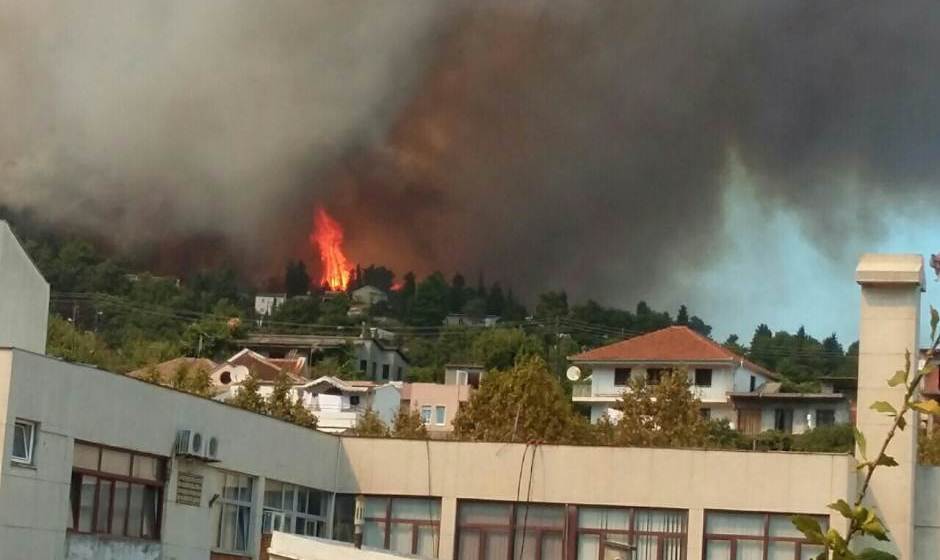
(135, 511)
(242, 530)
(149, 512)
(427, 542)
(104, 505)
(589, 547)
(376, 507)
(468, 545)
(89, 489)
(497, 546)
(417, 509)
(400, 538)
(614, 519)
(781, 551)
(552, 547)
(373, 534)
(750, 550)
(273, 494)
(540, 516)
(718, 550)
(227, 523)
(782, 526)
(119, 513)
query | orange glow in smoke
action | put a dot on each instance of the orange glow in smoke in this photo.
(328, 237)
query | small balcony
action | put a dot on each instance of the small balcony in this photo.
(581, 390)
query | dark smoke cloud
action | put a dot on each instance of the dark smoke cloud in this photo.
(578, 144)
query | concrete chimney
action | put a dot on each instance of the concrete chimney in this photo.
(889, 327)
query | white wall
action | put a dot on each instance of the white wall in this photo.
(386, 400)
(24, 297)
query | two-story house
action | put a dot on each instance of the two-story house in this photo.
(714, 371)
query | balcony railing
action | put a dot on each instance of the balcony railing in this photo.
(581, 390)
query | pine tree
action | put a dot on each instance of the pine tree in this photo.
(682, 317)
(407, 424)
(249, 397)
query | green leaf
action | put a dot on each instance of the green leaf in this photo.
(927, 407)
(886, 461)
(842, 507)
(860, 442)
(809, 527)
(872, 554)
(874, 527)
(900, 376)
(884, 407)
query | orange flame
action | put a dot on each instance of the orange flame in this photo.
(328, 236)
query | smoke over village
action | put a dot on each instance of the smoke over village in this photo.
(550, 144)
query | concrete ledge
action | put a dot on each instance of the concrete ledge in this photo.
(885, 269)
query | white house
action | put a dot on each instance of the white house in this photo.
(368, 295)
(714, 371)
(338, 404)
(265, 304)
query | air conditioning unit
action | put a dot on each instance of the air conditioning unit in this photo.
(212, 449)
(189, 444)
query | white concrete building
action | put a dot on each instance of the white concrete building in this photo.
(24, 297)
(714, 371)
(265, 304)
(339, 404)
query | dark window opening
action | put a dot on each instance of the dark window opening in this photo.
(621, 377)
(825, 417)
(706, 413)
(225, 378)
(654, 375)
(385, 370)
(354, 400)
(753, 383)
(703, 377)
(783, 420)
(473, 379)
(363, 365)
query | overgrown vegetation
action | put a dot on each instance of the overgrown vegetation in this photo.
(279, 404)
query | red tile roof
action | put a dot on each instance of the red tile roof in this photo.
(671, 344)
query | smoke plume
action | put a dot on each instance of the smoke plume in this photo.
(552, 143)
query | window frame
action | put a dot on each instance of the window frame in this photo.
(387, 520)
(292, 515)
(766, 539)
(238, 504)
(439, 408)
(111, 479)
(30, 458)
(783, 417)
(622, 372)
(710, 372)
(631, 534)
(386, 371)
(430, 409)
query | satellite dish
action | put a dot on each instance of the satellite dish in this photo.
(573, 373)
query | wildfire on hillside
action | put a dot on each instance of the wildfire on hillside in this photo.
(327, 236)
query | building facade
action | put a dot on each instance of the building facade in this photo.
(24, 297)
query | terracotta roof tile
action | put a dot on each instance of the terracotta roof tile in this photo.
(671, 344)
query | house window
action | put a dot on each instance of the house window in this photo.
(753, 383)
(363, 366)
(703, 377)
(497, 530)
(783, 420)
(233, 530)
(294, 509)
(705, 413)
(825, 417)
(743, 536)
(473, 379)
(385, 370)
(354, 400)
(649, 533)
(426, 415)
(116, 492)
(621, 377)
(654, 375)
(440, 415)
(24, 442)
(404, 525)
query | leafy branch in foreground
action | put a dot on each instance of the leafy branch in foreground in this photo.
(863, 521)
